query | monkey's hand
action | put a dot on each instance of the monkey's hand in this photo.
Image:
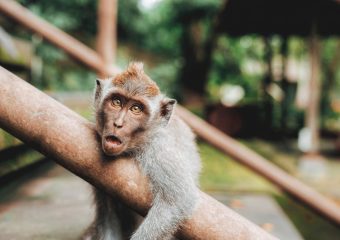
(165, 216)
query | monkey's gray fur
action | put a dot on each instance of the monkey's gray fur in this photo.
(166, 153)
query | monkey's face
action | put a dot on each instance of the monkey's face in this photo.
(129, 107)
(123, 121)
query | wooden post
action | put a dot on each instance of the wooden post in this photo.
(284, 85)
(266, 82)
(313, 108)
(107, 36)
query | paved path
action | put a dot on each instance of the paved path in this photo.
(57, 205)
(54, 205)
(262, 210)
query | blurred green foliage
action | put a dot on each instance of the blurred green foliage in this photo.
(221, 173)
(178, 42)
(155, 31)
(229, 58)
(7, 140)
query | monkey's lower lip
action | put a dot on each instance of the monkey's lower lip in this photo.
(111, 139)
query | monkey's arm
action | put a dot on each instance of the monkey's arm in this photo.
(175, 197)
(162, 220)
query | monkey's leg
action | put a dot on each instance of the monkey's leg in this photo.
(129, 220)
(106, 225)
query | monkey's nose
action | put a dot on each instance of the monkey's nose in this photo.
(118, 124)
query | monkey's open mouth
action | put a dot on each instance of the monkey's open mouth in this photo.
(112, 139)
(112, 145)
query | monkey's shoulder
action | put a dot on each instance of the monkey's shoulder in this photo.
(178, 128)
(178, 138)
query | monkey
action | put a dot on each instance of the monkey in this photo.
(134, 118)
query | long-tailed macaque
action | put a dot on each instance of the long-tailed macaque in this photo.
(133, 117)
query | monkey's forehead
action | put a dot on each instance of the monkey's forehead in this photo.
(135, 88)
(137, 83)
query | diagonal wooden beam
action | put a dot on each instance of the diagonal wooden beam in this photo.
(313, 199)
(70, 140)
(72, 46)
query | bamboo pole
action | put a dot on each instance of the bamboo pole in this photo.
(106, 37)
(70, 140)
(236, 150)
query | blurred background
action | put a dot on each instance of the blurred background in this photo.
(264, 72)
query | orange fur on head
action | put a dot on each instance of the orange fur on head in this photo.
(135, 72)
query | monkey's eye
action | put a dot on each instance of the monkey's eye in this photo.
(116, 102)
(136, 109)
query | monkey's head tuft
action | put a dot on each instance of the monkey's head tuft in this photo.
(129, 109)
(135, 72)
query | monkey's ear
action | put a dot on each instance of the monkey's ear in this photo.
(167, 107)
(99, 84)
